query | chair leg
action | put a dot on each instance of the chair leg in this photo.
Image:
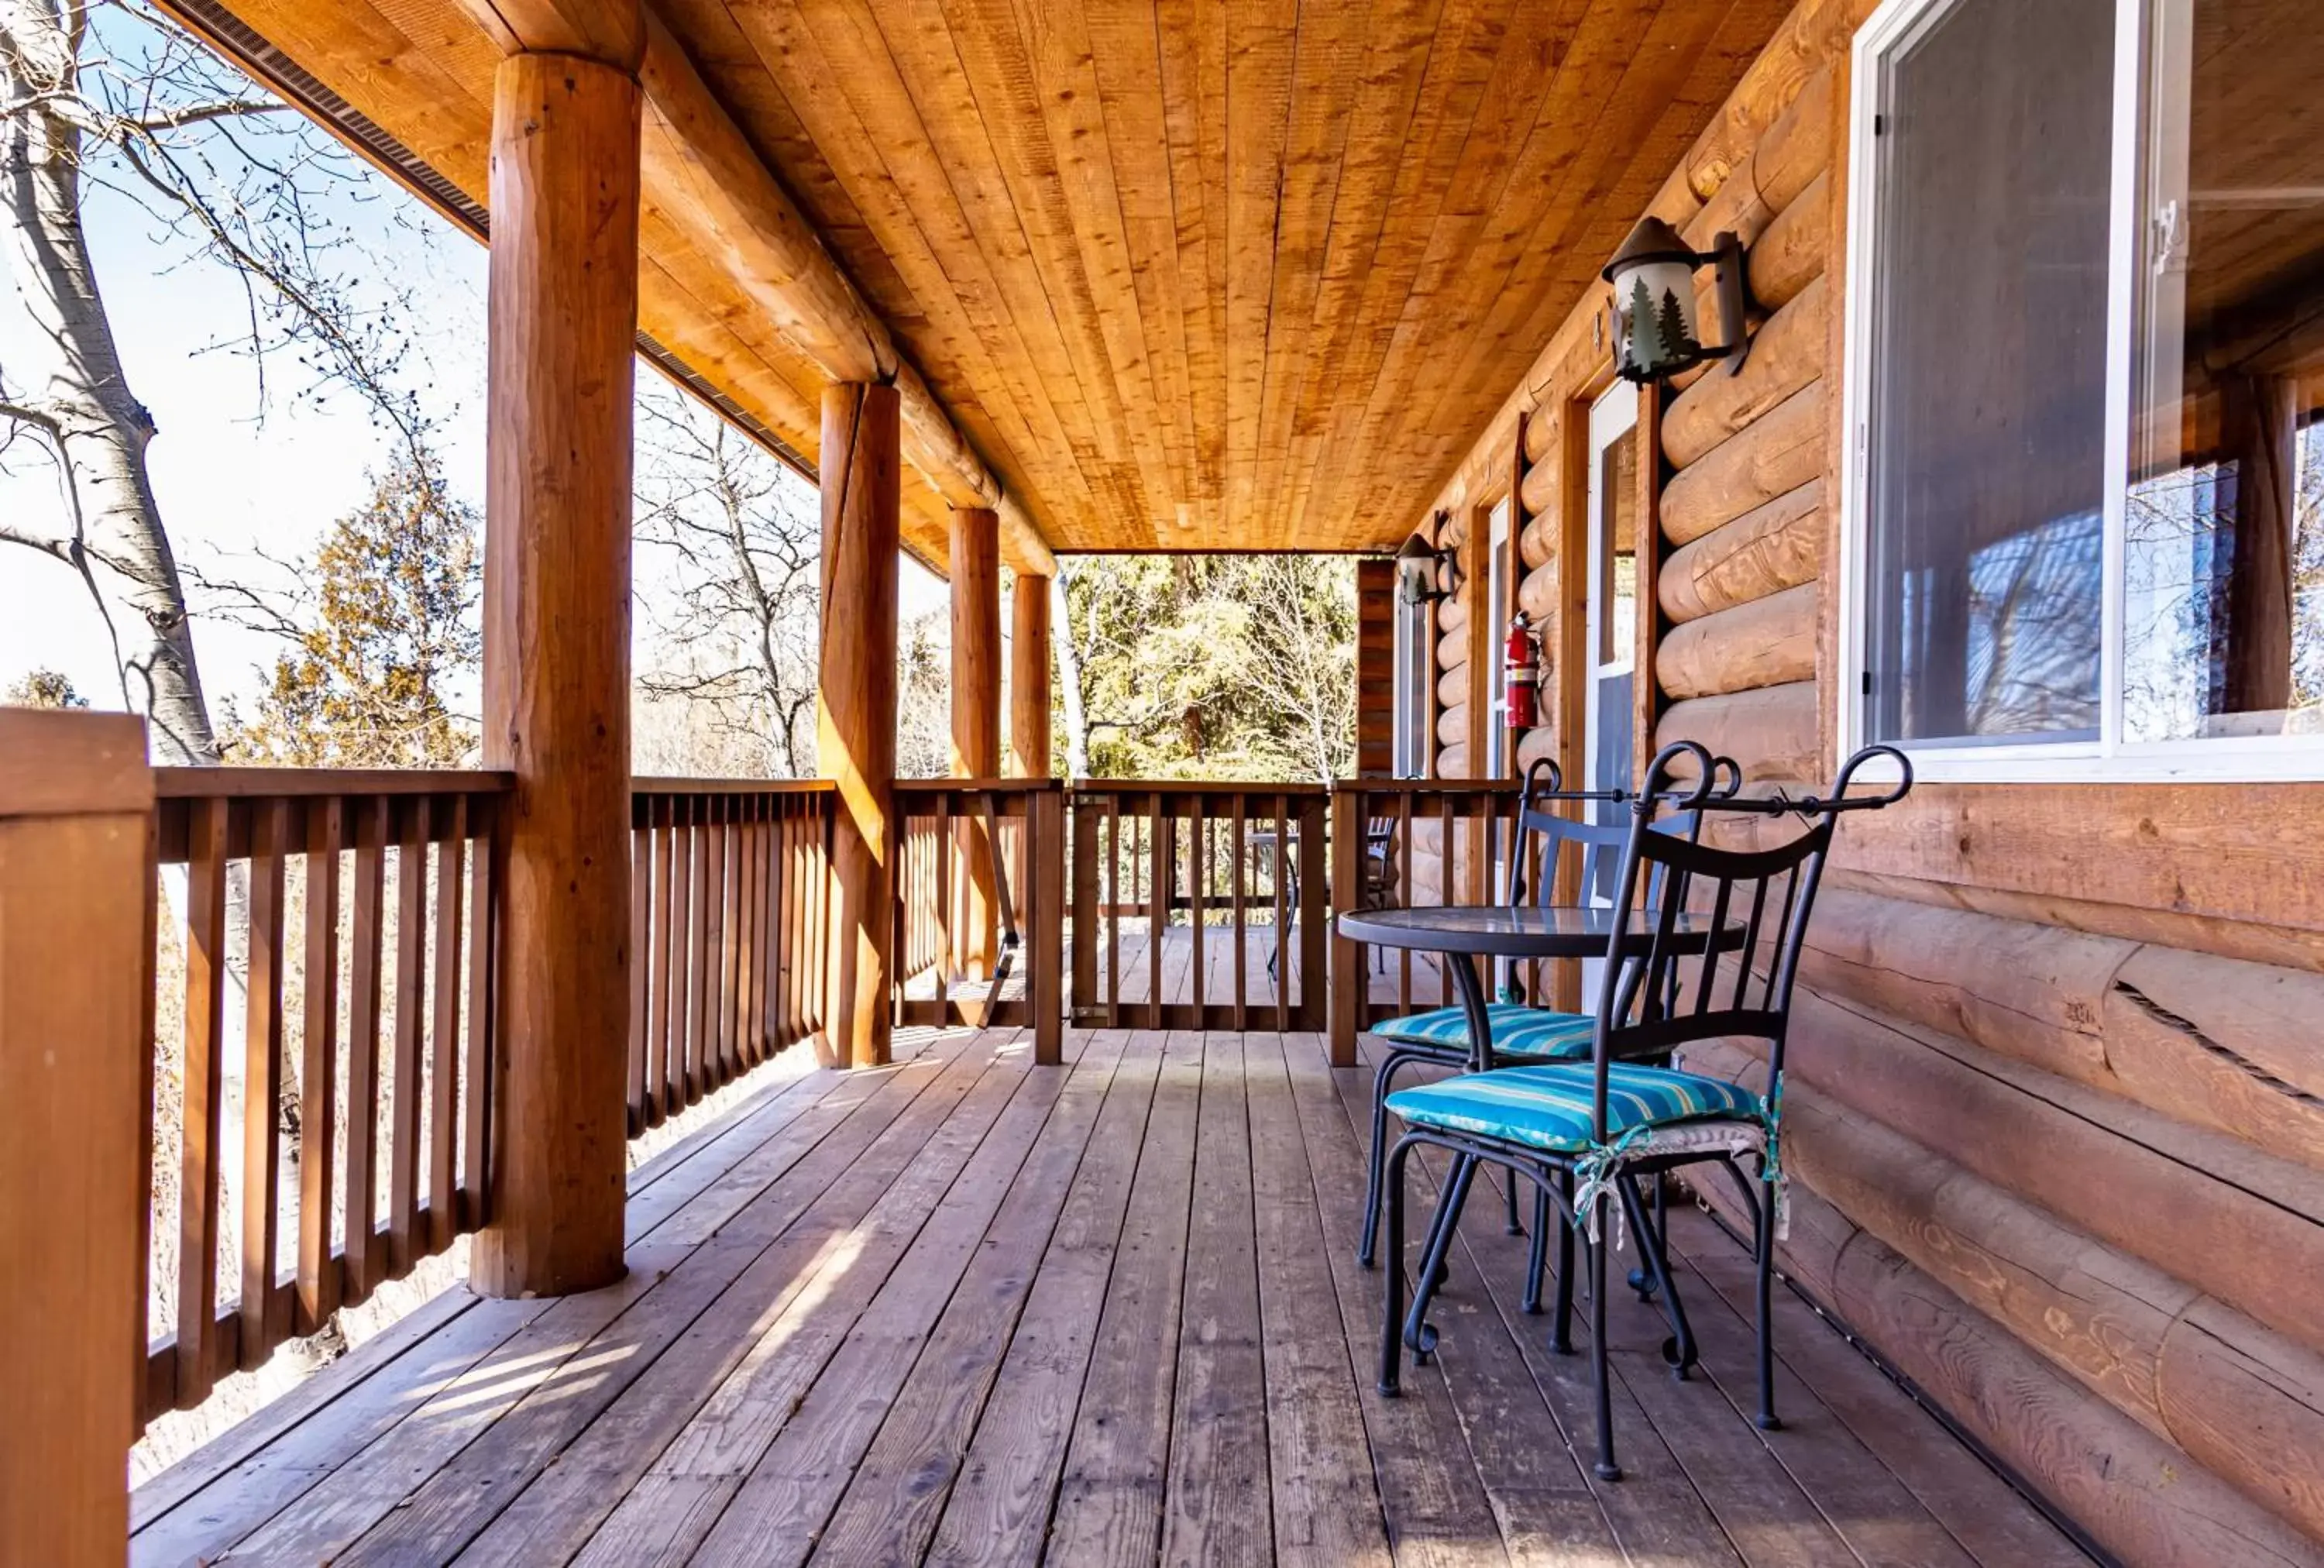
(1391, 1357)
(1418, 1332)
(1514, 1226)
(1678, 1350)
(1767, 1421)
(1537, 1254)
(1367, 1249)
(1600, 1373)
(1561, 1322)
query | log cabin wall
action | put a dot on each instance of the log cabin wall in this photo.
(2054, 1114)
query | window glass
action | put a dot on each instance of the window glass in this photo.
(1617, 628)
(1986, 394)
(2223, 546)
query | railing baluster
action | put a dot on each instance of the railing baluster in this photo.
(318, 1086)
(709, 1061)
(1112, 911)
(261, 1080)
(666, 998)
(203, 1073)
(484, 959)
(1198, 864)
(641, 950)
(1161, 872)
(372, 829)
(1239, 855)
(150, 1399)
(686, 1065)
(410, 1014)
(444, 1046)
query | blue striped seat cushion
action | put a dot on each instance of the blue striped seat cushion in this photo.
(1517, 1032)
(1548, 1107)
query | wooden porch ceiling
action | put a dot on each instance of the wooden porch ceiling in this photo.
(1185, 276)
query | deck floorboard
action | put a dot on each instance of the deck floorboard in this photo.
(970, 1309)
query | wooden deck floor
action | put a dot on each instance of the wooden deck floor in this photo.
(963, 1310)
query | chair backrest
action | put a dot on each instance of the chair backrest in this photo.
(1543, 837)
(1723, 928)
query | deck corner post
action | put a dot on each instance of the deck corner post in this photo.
(563, 324)
(855, 726)
(1046, 922)
(77, 880)
(1347, 957)
(975, 731)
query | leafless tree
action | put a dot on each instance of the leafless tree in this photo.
(1302, 662)
(748, 550)
(105, 94)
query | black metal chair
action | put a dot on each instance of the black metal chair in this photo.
(1722, 935)
(1519, 1032)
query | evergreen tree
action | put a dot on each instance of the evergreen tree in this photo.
(43, 688)
(384, 633)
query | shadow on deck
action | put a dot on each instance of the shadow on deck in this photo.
(965, 1310)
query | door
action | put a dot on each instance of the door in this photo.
(1611, 634)
(1610, 629)
(1498, 754)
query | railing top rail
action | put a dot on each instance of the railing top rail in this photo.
(278, 783)
(655, 785)
(1196, 787)
(1424, 786)
(982, 786)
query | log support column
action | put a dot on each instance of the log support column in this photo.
(855, 729)
(1028, 676)
(975, 729)
(563, 315)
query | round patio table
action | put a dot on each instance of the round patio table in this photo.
(1464, 933)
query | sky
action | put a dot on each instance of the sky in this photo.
(236, 471)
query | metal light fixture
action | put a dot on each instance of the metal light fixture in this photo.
(1418, 566)
(1655, 334)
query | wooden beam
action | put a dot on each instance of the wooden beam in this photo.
(975, 727)
(704, 174)
(74, 962)
(610, 31)
(855, 732)
(563, 320)
(1029, 690)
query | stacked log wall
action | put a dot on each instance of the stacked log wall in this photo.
(2054, 1096)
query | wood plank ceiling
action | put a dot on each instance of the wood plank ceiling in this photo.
(1190, 276)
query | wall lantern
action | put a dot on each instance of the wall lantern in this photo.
(1418, 566)
(1655, 334)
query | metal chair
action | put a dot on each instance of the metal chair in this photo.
(1725, 928)
(1518, 1032)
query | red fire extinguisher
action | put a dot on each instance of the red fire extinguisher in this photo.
(1521, 673)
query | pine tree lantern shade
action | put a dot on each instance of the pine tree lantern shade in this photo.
(1656, 333)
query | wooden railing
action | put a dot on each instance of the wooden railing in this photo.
(728, 912)
(1409, 841)
(939, 816)
(1239, 868)
(359, 907)
(346, 924)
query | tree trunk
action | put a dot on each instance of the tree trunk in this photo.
(78, 394)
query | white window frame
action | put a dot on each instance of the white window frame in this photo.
(1497, 669)
(1408, 754)
(2110, 758)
